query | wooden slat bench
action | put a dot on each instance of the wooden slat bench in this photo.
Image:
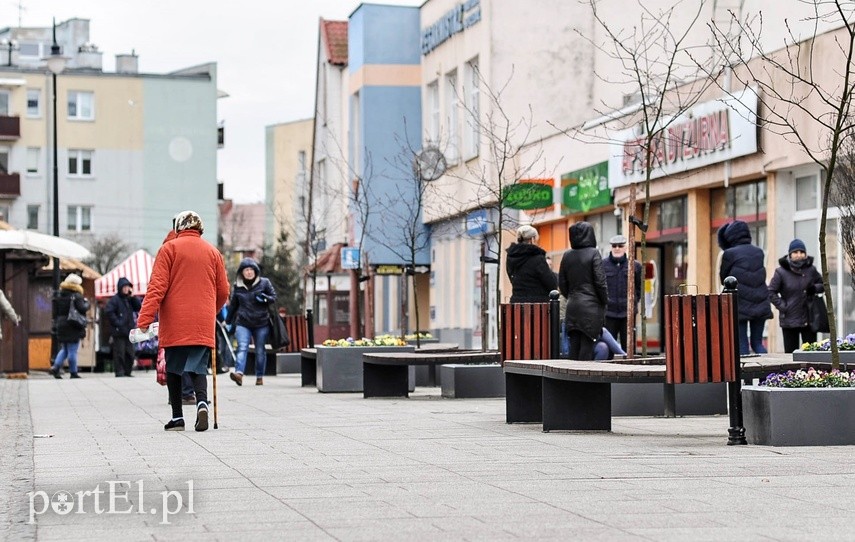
(385, 375)
(576, 395)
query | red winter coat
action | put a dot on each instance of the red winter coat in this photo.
(188, 285)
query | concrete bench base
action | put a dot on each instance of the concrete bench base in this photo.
(269, 367)
(649, 399)
(471, 381)
(288, 363)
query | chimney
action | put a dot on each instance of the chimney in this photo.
(127, 63)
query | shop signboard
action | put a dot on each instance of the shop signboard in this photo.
(350, 258)
(709, 133)
(528, 194)
(585, 189)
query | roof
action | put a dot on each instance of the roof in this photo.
(136, 268)
(335, 36)
(328, 261)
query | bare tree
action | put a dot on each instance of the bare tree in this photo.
(107, 251)
(655, 60)
(512, 155)
(805, 91)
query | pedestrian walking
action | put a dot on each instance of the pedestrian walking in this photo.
(794, 281)
(248, 317)
(616, 268)
(582, 281)
(120, 313)
(526, 265)
(68, 332)
(7, 309)
(746, 263)
(188, 285)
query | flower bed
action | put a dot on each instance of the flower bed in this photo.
(810, 378)
(844, 344)
(380, 340)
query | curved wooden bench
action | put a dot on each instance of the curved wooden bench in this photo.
(385, 375)
(576, 395)
(308, 366)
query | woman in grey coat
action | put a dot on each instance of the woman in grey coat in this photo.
(582, 281)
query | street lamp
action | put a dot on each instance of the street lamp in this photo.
(10, 45)
(55, 63)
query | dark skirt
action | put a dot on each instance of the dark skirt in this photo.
(193, 359)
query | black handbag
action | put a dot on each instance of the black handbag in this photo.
(75, 318)
(278, 337)
(817, 314)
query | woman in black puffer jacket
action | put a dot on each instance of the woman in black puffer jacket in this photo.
(68, 334)
(248, 316)
(794, 281)
(582, 281)
(745, 262)
(530, 275)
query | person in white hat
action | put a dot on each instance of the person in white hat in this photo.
(68, 331)
(616, 268)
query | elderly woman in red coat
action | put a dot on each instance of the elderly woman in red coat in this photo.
(188, 285)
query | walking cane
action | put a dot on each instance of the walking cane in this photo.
(214, 366)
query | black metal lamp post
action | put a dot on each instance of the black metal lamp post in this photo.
(10, 45)
(55, 63)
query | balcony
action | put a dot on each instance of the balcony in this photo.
(10, 128)
(10, 185)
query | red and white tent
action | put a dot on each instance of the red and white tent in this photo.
(136, 268)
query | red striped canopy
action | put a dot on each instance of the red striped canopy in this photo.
(136, 268)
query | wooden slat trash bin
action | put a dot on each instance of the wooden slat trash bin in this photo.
(701, 346)
(529, 332)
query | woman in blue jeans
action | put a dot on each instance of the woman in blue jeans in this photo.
(68, 333)
(248, 316)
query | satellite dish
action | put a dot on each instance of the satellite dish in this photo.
(430, 164)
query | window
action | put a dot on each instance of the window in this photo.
(4, 103)
(32, 217)
(4, 160)
(4, 213)
(452, 152)
(79, 163)
(79, 218)
(34, 155)
(301, 160)
(806, 193)
(32, 49)
(34, 102)
(472, 106)
(433, 112)
(81, 105)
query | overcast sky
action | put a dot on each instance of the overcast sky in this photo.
(265, 52)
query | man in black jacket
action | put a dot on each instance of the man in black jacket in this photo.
(120, 313)
(616, 268)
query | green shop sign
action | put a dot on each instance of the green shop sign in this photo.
(585, 189)
(528, 194)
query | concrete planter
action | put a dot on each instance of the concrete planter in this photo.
(799, 416)
(470, 381)
(649, 399)
(339, 369)
(846, 356)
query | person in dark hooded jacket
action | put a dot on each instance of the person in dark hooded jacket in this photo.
(793, 282)
(530, 274)
(248, 314)
(582, 281)
(120, 313)
(745, 262)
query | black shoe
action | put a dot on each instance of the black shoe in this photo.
(119, 375)
(129, 374)
(174, 425)
(56, 373)
(202, 417)
(188, 400)
(74, 375)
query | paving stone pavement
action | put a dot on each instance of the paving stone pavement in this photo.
(289, 463)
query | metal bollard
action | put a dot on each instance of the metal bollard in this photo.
(310, 328)
(736, 431)
(554, 324)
